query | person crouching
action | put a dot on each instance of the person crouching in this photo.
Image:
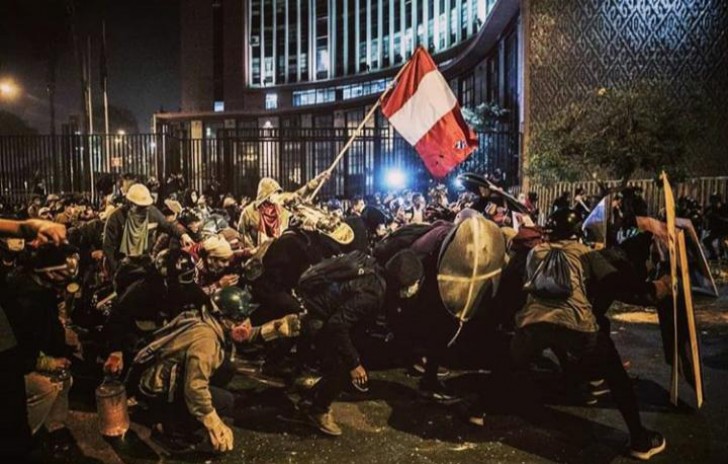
(183, 372)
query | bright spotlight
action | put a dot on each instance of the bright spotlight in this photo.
(395, 179)
(457, 183)
(8, 89)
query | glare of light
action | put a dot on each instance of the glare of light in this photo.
(8, 89)
(121, 132)
(267, 125)
(395, 179)
(153, 144)
(458, 184)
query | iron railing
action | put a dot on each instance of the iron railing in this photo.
(74, 163)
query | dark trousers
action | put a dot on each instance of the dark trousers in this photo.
(591, 353)
(335, 374)
(15, 440)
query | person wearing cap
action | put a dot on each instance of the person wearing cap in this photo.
(338, 308)
(184, 371)
(31, 303)
(266, 218)
(213, 265)
(131, 228)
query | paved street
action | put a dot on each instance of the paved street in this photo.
(391, 425)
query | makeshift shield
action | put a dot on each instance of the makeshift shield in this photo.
(470, 262)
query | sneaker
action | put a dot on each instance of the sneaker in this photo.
(325, 423)
(438, 392)
(476, 418)
(418, 369)
(651, 444)
(598, 387)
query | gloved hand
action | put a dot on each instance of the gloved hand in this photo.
(285, 327)
(221, 436)
(114, 363)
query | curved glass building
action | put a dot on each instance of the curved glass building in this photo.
(293, 41)
(275, 87)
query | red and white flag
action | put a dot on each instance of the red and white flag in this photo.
(423, 109)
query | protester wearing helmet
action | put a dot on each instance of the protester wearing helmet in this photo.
(183, 371)
(131, 228)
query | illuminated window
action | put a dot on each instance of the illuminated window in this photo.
(271, 101)
(219, 106)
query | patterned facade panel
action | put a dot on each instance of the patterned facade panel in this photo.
(578, 46)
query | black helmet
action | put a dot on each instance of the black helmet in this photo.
(564, 223)
(233, 303)
(184, 268)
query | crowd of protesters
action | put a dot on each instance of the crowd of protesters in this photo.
(168, 288)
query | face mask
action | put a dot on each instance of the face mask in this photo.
(409, 292)
(241, 332)
(216, 265)
(136, 209)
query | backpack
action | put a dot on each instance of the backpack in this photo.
(552, 277)
(337, 269)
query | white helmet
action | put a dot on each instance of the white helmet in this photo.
(139, 195)
(217, 247)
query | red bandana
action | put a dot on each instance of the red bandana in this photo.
(270, 220)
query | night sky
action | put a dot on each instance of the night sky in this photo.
(142, 48)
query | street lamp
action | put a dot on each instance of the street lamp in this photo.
(8, 89)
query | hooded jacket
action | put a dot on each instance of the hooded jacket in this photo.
(249, 225)
(187, 352)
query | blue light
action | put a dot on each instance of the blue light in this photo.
(458, 184)
(395, 179)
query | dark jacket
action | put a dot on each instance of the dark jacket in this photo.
(284, 262)
(343, 307)
(142, 308)
(115, 229)
(32, 311)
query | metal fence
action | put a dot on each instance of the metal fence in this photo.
(698, 188)
(74, 163)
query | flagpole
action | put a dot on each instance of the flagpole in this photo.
(359, 128)
(104, 83)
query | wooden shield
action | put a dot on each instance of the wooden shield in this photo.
(471, 259)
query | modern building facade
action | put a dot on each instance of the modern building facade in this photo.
(274, 87)
(280, 66)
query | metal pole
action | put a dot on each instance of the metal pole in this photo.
(359, 128)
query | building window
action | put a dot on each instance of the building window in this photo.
(219, 106)
(271, 101)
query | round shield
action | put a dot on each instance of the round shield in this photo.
(471, 259)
